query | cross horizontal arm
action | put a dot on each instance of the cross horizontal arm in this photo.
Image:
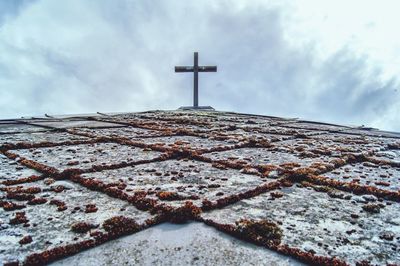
(184, 69)
(207, 68)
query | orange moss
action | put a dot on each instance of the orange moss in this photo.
(61, 206)
(263, 231)
(20, 196)
(90, 208)
(29, 179)
(25, 240)
(37, 201)
(304, 256)
(120, 225)
(170, 196)
(11, 206)
(19, 218)
(178, 215)
(82, 227)
(354, 187)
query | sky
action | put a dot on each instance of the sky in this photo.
(331, 61)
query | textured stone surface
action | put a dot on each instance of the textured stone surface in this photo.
(187, 178)
(380, 176)
(304, 192)
(11, 170)
(50, 226)
(170, 244)
(335, 232)
(17, 128)
(38, 137)
(86, 155)
(263, 156)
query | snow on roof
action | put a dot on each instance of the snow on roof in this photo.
(304, 192)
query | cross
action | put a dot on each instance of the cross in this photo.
(196, 69)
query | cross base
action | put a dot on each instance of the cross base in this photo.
(195, 108)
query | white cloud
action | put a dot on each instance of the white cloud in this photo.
(319, 61)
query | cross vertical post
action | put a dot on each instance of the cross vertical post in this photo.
(196, 69)
(196, 80)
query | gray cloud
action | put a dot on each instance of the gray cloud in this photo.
(10, 9)
(119, 56)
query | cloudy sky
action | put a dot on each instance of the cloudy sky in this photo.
(333, 61)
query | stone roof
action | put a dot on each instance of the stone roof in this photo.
(204, 187)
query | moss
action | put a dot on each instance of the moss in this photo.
(11, 263)
(37, 201)
(58, 189)
(372, 208)
(11, 206)
(25, 240)
(382, 183)
(276, 194)
(354, 187)
(120, 225)
(19, 218)
(206, 205)
(20, 189)
(182, 214)
(61, 206)
(31, 178)
(322, 188)
(50, 255)
(169, 196)
(20, 196)
(90, 208)
(263, 231)
(82, 227)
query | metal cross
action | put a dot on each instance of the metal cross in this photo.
(196, 69)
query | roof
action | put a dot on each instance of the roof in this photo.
(204, 187)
